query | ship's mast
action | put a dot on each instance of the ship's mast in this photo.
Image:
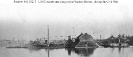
(73, 32)
(48, 35)
(100, 36)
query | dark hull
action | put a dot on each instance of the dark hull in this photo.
(17, 47)
(106, 46)
(114, 46)
(69, 46)
(119, 46)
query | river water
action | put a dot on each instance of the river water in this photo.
(81, 52)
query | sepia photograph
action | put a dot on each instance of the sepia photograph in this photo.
(66, 28)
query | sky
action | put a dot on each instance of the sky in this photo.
(29, 21)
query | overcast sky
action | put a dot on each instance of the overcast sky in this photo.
(29, 21)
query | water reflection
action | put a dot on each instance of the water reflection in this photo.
(78, 51)
(38, 49)
(70, 52)
(119, 50)
(34, 49)
(81, 51)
